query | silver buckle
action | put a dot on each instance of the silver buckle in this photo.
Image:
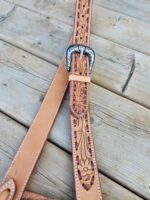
(83, 50)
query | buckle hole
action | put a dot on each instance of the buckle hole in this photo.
(5, 194)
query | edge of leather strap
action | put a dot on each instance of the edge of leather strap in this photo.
(25, 158)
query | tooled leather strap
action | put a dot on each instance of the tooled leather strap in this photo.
(22, 166)
(85, 167)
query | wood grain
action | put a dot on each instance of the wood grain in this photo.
(106, 23)
(121, 127)
(53, 175)
(48, 39)
(138, 9)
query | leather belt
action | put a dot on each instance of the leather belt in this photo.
(23, 164)
(79, 61)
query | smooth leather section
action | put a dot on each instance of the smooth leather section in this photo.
(32, 145)
(85, 79)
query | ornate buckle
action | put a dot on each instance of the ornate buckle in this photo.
(82, 50)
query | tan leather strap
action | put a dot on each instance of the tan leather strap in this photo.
(31, 147)
(85, 79)
(85, 167)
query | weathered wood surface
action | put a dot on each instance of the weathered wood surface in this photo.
(42, 36)
(121, 127)
(106, 23)
(53, 175)
(138, 9)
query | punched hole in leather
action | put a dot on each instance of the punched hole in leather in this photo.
(7, 190)
(5, 194)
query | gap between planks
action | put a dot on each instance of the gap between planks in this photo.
(26, 126)
(101, 172)
(69, 153)
(44, 57)
(119, 11)
(125, 112)
(98, 35)
(132, 11)
(134, 88)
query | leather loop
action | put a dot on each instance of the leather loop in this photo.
(7, 190)
(85, 79)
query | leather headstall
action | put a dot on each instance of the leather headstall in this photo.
(74, 70)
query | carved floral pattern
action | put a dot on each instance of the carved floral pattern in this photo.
(82, 23)
(79, 102)
(84, 157)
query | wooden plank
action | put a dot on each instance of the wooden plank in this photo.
(15, 84)
(121, 127)
(53, 175)
(42, 36)
(138, 9)
(109, 24)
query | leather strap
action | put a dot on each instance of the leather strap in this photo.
(85, 79)
(85, 167)
(22, 166)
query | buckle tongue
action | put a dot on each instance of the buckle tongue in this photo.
(82, 50)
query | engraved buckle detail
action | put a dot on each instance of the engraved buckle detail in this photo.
(82, 50)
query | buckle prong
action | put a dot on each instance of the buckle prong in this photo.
(82, 50)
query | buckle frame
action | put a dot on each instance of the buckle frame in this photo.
(82, 50)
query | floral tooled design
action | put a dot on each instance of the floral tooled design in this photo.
(79, 101)
(84, 159)
(83, 21)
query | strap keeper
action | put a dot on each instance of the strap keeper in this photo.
(78, 78)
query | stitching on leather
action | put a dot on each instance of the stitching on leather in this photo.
(77, 182)
(10, 184)
(72, 87)
(18, 152)
(28, 174)
(74, 161)
(81, 36)
(31, 169)
(94, 158)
